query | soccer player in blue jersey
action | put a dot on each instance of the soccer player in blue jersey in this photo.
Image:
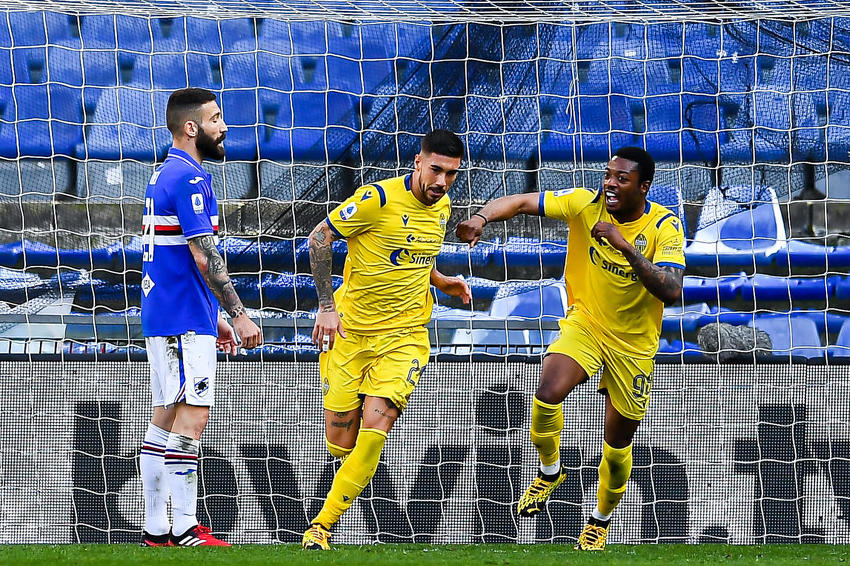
(184, 281)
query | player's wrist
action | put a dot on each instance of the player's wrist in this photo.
(482, 217)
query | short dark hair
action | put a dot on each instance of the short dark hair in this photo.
(645, 162)
(443, 142)
(183, 105)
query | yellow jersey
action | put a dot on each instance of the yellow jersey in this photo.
(602, 288)
(393, 243)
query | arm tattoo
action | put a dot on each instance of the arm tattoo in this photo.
(215, 274)
(663, 282)
(321, 257)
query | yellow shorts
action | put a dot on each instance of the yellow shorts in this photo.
(626, 379)
(381, 365)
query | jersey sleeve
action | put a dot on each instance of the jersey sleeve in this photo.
(191, 206)
(671, 239)
(564, 204)
(358, 213)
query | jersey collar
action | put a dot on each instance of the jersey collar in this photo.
(407, 181)
(183, 156)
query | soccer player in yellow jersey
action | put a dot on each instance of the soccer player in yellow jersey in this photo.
(371, 331)
(624, 263)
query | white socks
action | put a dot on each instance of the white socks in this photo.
(551, 468)
(181, 464)
(154, 486)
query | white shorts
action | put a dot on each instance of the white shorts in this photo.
(182, 369)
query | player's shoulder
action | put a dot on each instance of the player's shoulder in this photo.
(662, 217)
(176, 173)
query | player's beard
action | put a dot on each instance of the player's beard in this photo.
(208, 147)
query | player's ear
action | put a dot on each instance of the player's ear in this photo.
(190, 128)
(417, 161)
(644, 187)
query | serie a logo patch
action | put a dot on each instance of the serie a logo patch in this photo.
(198, 203)
(348, 211)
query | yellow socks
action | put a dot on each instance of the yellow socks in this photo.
(353, 476)
(614, 471)
(547, 422)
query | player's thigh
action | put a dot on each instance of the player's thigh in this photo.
(341, 427)
(570, 360)
(379, 413)
(182, 369)
(628, 383)
(342, 370)
(401, 358)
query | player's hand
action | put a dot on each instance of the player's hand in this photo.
(455, 287)
(607, 233)
(226, 341)
(327, 326)
(248, 332)
(470, 230)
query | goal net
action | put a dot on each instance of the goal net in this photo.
(744, 106)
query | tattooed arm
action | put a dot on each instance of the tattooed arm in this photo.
(211, 266)
(665, 282)
(327, 323)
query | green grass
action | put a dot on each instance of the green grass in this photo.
(416, 554)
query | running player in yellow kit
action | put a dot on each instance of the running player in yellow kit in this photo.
(624, 263)
(371, 331)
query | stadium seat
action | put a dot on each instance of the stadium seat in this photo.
(841, 348)
(499, 342)
(679, 348)
(711, 289)
(460, 258)
(761, 287)
(739, 226)
(40, 28)
(792, 336)
(546, 301)
(35, 179)
(240, 111)
(483, 292)
(683, 318)
(133, 116)
(529, 256)
(48, 124)
(726, 316)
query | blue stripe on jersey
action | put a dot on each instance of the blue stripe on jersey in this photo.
(663, 218)
(598, 195)
(332, 227)
(540, 208)
(381, 193)
(670, 264)
(646, 208)
(407, 181)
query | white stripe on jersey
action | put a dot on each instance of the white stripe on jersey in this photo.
(180, 157)
(160, 240)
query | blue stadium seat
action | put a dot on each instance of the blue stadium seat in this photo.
(240, 69)
(499, 342)
(547, 301)
(134, 33)
(169, 71)
(240, 111)
(604, 124)
(738, 225)
(138, 117)
(273, 69)
(726, 316)
(679, 348)
(41, 28)
(791, 335)
(761, 287)
(529, 254)
(483, 292)
(685, 318)
(50, 123)
(841, 348)
(458, 258)
(711, 289)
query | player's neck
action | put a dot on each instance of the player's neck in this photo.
(628, 216)
(190, 148)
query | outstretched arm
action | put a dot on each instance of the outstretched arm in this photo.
(502, 208)
(321, 257)
(665, 282)
(212, 268)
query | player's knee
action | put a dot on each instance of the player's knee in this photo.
(336, 450)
